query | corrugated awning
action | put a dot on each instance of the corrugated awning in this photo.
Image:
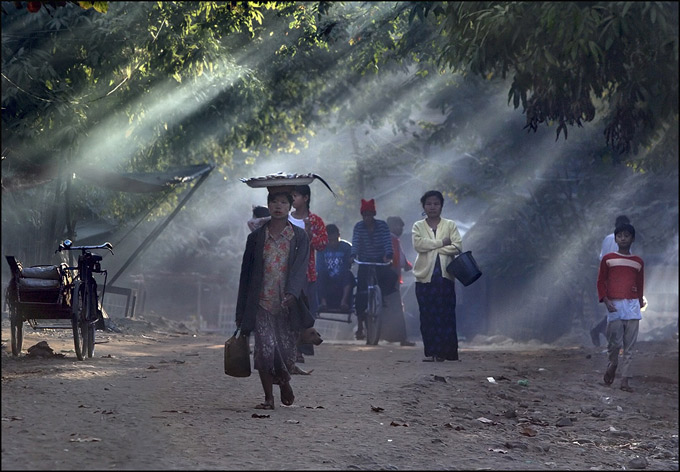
(137, 182)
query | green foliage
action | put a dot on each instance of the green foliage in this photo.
(101, 7)
(567, 59)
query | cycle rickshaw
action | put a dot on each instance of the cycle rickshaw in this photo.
(58, 297)
(374, 306)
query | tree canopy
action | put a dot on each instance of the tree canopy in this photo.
(66, 69)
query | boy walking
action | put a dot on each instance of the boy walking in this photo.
(608, 245)
(620, 283)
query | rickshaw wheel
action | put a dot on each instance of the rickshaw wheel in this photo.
(79, 326)
(90, 339)
(17, 333)
(79, 338)
(90, 320)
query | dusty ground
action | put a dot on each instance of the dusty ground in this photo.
(155, 397)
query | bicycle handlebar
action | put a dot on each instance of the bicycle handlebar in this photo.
(67, 246)
(372, 263)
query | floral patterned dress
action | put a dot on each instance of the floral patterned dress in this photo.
(275, 341)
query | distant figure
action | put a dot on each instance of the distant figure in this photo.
(620, 286)
(318, 238)
(393, 325)
(436, 240)
(371, 242)
(608, 245)
(260, 216)
(335, 278)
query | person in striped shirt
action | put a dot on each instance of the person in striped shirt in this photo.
(371, 242)
(620, 286)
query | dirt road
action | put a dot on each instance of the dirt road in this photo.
(156, 398)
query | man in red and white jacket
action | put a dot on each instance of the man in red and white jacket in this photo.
(620, 285)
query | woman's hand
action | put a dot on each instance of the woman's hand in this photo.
(288, 300)
(446, 241)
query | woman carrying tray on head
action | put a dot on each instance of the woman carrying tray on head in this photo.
(273, 276)
(436, 240)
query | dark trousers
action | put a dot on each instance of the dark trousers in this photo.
(332, 289)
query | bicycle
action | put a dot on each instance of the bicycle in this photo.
(374, 303)
(86, 314)
(67, 296)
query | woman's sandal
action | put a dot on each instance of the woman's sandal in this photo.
(627, 388)
(265, 406)
(287, 396)
(297, 371)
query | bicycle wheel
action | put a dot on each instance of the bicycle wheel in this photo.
(78, 323)
(90, 320)
(17, 332)
(373, 318)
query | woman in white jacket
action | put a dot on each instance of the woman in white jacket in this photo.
(436, 240)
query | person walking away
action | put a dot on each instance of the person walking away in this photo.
(620, 286)
(318, 237)
(394, 325)
(271, 283)
(371, 242)
(608, 245)
(436, 240)
(335, 280)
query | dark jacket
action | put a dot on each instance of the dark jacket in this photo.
(252, 272)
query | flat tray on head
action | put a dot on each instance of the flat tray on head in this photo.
(280, 179)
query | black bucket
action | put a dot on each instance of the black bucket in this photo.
(464, 268)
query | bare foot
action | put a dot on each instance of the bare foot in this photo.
(609, 375)
(624, 385)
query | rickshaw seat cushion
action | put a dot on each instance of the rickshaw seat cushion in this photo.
(47, 272)
(38, 290)
(37, 284)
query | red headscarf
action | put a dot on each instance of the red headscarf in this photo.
(367, 205)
